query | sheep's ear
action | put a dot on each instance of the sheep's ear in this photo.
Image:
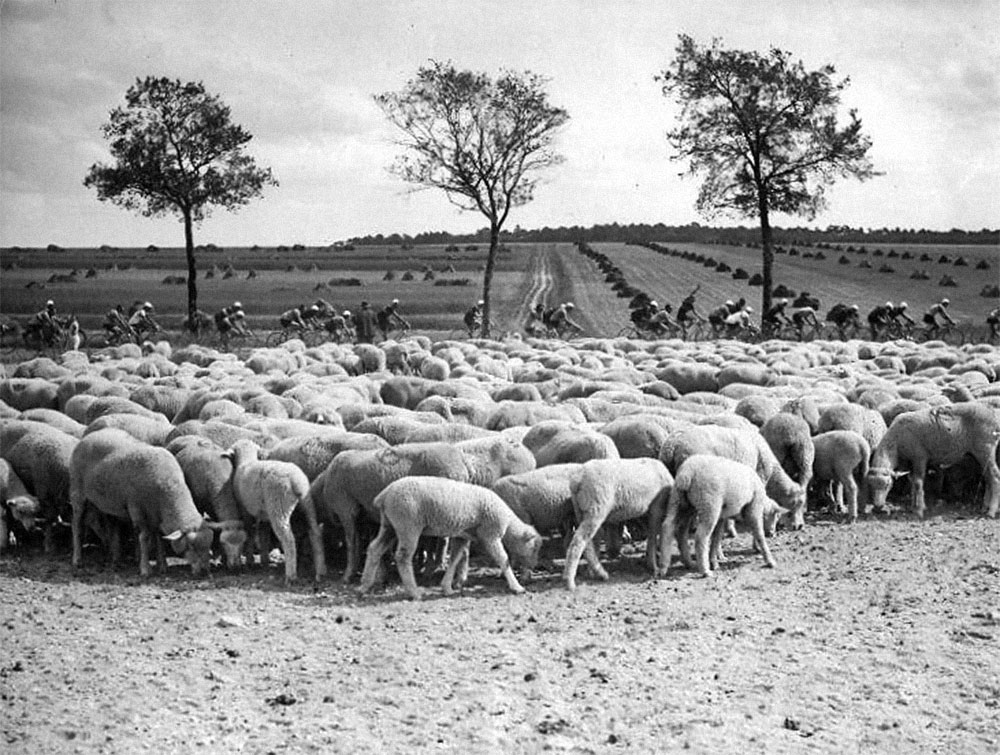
(900, 474)
(175, 535)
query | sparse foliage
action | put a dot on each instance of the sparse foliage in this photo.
(762, 131)
(482, 141)
(176, 150)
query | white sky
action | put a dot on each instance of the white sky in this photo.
(925, 77)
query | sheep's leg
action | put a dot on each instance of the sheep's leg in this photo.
(353, 541)
(848, 491)
(702, 538)
(78, 533)
(917, 477)
(144, 551)
(495, 550)
(373, 572)
(459, 552)
(755, 520)
(315, 536)
(991, 471)
(684, 533)
(593, 559)
(283, 531)
(667, 531)
(161, 555)
(405, 549)
(715, 554)
(584, 533)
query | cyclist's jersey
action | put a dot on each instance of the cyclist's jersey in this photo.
(841, 314)
(881, 313)
(899, 312)
(738, 319)
(930, 316)
(291, 317)
(719, 314)
(774, 314)
(685, 309)
(803, 315)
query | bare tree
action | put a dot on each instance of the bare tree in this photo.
(763, 131)
(482, 141)
(176, 151)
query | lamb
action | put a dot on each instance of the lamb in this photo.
(16, 504)
(841, 457)
(614, 490)
(126, 479)
(940, 435)
(348, 487)
(415, 506)
(713, 489)
(543, 497)
(273, 490)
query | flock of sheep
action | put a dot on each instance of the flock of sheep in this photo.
(531, 448)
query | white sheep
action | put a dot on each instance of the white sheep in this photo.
(788, 436)
(313, 453)
(56, 419)
(16, 504)
(272, 490)
(866, 422)
(129, 480)
(146, 429)
(841, 458)
(612, 491)
(711, 489)
(558, 442)
(415, 506)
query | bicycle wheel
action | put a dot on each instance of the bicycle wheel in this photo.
(275, 338)
(628, 332)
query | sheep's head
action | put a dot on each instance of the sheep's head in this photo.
(772, 513)
(241, 451)
(232, 536)
(795, 505)
(195, 547)
(524, 547)
(25, 509)
(879, 480)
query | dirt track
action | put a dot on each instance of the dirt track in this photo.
(881, 637)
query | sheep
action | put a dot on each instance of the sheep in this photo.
(557, 442)
(939, 435)
(145, 429)
(511, 413)
(636, 436)
(841, 457)
(449, 432)
(488, 459)
(712, 489)
(788, 437)
(866, 422)
(395, 428)
(273, 490)
(313, 454)
(415, 506)
(29, 393)
(40, 455)
(16, 504)
(613, 490)
(208, 476)
(757, 408)
(56, 419)
(348, 486)
(126, 479)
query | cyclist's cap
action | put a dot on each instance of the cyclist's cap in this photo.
(653, 303)
(902, 305)
(395, 301)
(237, 305)
(147, 305)
(783, 302)
(888, 304)
(50, 303)
(749, 308)
(946, 301)
(729, 302)
(239, 314)
(570, 305)
(855, 307)
(314, 308)
(480, 303)
(347, 313)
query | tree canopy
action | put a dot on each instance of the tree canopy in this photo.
(763, 133)
(480, 140)
(176, 150)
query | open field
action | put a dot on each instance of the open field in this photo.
(528, 272)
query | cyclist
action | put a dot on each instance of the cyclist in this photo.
(115, 323)
(686, 313)
(844, 317)
(142, 323)
(659, 321)
(560, 321)
(311, 315)
(364, 323)
(898, 315)
(738, 321)
(879, 318)
(803, 316)
(45, 322)
(292, 318)
(535, 326)
(937, 310)
(230, 320)
(775, 316)
(389, 317)
(338, 326)
(474, 317)
(993, 321)
(717, 317)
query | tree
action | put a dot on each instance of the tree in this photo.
(763, 131)
(176, 151)
(481, 141)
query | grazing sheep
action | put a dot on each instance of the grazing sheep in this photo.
(16, 504)
(757, 408)
(394, 428)
(56, 419)
(348, 487)
(841, 458)
(712, 489)
(543, 497)
(29, 393)
(636, 436)
(129, 480)
(145, 429)
(789, 438)
(557, 442)
(272, 490)
(866, 422)
(512, 413)
(939, 435)
(612, 491)
(415, 506)
(208, 476)
(449, 432)
(489, 459)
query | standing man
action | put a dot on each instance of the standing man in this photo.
(364, 323)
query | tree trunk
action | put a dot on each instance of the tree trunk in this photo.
(491, 259)
(767, 252)
(192, 270)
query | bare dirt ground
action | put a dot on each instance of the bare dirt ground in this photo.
(878, 637)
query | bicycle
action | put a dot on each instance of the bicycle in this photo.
(60, 338)
(493, 330)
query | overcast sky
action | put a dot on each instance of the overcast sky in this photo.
(299, 76)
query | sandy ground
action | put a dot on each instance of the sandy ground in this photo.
(878, 637)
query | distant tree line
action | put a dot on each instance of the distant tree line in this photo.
(694, 233)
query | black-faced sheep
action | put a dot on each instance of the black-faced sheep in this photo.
(415, 506)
